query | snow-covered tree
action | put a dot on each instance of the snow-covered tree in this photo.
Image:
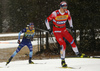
(5, 15)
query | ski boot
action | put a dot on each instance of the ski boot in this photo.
(9, 61)
(30, 62)
(82, 55)
(63, 63)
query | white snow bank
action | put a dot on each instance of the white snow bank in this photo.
(80, 64)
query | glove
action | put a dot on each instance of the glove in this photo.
(72, 30)
(18, 42)
(50, 31)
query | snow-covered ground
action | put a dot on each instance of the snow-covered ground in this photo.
(2, 46)
(14, 44)
(80, 64)
(9, 34)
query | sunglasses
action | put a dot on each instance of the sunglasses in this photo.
(64, 7)
(32, 26)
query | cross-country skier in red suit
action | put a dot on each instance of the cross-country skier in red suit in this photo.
(59, 18)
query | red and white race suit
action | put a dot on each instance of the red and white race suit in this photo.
(59, 27)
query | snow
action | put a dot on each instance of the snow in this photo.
(13, 44)
(80, 64)
(9, 34)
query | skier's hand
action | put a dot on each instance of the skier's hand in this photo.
(18, 42)
(50, 31)
(72, 29)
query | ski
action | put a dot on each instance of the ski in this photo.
(38, 63)
(5, 67)
(92, 57)
(70, 67)
(98, 57)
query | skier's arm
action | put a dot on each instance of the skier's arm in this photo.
(24, 30)
(19, 35)
(47, 24)
(32, 36)
(53, 14)
(70, 19)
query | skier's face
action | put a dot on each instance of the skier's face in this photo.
(31, 27)
(64, 8)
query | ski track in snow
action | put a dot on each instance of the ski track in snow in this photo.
(80, 64)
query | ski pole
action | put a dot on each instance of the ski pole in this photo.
(69, 30)
(48, 31)
(41, 30)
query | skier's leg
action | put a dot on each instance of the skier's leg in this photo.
(62, 53)
(62, 43)
(70, 39)
(30, 53)
(17, 50)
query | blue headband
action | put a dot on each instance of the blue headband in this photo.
(31, 24)
(62, 5)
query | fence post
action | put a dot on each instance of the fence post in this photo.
(47, 43)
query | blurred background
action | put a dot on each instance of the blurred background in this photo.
(16, 14)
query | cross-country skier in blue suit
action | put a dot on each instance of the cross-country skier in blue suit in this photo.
(29, 32)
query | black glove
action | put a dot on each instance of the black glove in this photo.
(18, 42)
(50, 31)
(72, 29)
